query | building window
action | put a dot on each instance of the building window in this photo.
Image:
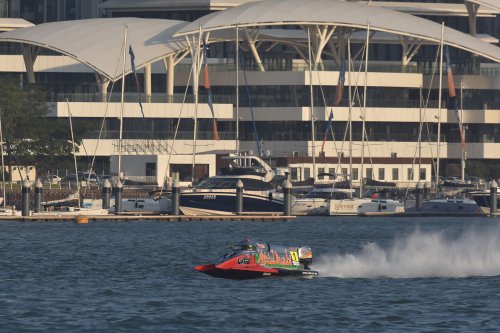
(369, 173)
(307, 173)
(423, 174)
(151, 169)
(381, 174)
(294, 173)
(332, 171)
(344, 173)
(410, 173)
(320, 171)
(355, 175)
(395, 174)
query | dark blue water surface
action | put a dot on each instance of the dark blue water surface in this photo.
(398, 275)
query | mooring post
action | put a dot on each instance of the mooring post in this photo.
(239, 197)
(420, 196)
(38, 195)
(175, 197)
(25, 198)
(106, 194)
(118, 189)
(287, 197)
(493, 197)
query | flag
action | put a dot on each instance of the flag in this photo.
(206, 84)
(453, 96)
(132, 64)
(328, 126)
(340, 85)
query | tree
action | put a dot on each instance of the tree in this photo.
(30, 137)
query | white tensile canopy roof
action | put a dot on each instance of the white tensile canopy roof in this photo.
(495, 4)
(338, 13)
(98, 42)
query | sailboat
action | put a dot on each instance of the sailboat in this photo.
(350, 205)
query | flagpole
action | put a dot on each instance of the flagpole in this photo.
(439, 110)
(122, 105)
(237, 69)
(196, 76)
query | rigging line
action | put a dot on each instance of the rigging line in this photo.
(104, 118)
(177, 127)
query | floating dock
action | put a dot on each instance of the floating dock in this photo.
(159, 218)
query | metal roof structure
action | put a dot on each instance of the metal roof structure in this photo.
(495, 4)
(340, 14)
(98, 43)
(7, 24)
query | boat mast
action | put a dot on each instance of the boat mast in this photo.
(195, 56)
(313, 132)
(74, 152)
(237, 69)
(420, 135)
(439, 109)
(3, 165)
(463, 128)
(350, 109)
(363, 116)
(122, 104)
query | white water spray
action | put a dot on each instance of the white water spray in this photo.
(421, 254)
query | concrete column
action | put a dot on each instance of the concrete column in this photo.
(25, 198)
(106, 194)
(147, 82)
(239, 197)
(118, 190)
(472, 9)
(38, 195)
(175, 197)
(30, 53)
(102, 83)
(493, 197)
(170, 69)
(420, 196)
(287, 197)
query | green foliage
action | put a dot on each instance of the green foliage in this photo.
(30, 137)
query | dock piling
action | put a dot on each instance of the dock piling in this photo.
(493, 197)
(239, 197)
(287, 197)
(118, 189)
(25, 198)
(38, 195)
(420, 196)
(175, 197)
(106, 194)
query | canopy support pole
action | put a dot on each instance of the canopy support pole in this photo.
(472, 9)
(30, 53)
(323, 36)
(255, 53)
(102, 83)
(169, 69)
(147, 82)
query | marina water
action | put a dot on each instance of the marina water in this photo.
(419, 274)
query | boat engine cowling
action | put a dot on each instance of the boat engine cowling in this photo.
(305, 256)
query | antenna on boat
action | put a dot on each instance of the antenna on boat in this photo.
(74, 152)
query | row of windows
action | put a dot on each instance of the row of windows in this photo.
(305, 173)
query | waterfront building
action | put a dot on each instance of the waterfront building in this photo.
(275, 90)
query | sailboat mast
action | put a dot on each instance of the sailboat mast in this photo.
(3, 163)
(237, 70)
(350, 109)
(363, 116)
(462, 127)
(420, 134)
(74, 151)
(195, 55)
(439, 109)
(313, 132)
(122, 106)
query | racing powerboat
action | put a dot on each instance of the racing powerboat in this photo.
(250, 259)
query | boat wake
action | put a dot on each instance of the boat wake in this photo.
(420, 255)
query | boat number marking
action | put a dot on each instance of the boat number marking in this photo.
(209, 197)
